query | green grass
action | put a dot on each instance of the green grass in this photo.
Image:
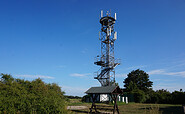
(139, 108)
(77, 102)
(131, 108)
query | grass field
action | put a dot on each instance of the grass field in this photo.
(130, 108)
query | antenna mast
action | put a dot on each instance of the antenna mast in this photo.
(106, 74)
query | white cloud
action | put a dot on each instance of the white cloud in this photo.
(170, 87)
(80, 75)
(131, 68)
(121, 75)
(35, 76)
(164, 72)
(182, 73)
(158, 71)
(73, 90)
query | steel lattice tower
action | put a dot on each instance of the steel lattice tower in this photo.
(107, 36)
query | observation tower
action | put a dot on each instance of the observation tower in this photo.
(106, 74)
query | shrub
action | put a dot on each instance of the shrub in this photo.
(20, 96)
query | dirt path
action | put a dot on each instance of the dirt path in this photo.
(76, 107)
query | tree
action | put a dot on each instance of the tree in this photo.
(137, 79)
(6, 78)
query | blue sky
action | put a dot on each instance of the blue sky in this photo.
(57, 41)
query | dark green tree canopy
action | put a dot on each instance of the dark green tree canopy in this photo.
(137, 79)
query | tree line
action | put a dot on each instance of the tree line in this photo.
(23, 96)
(138, 84)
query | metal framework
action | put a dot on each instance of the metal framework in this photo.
(107, 36)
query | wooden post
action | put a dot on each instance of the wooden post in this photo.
(93, 96)
(116, 104)
(114, 98)
(183, 106)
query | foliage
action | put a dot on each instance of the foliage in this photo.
(137, 79)
(22, 96)
(178, 97)
(132, 86)
(159, 96)
(85, 97)
(138, 84)
(73, 97)
(139, 96)
(165, 97)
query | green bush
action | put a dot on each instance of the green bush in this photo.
(20, 96)
(139, 96)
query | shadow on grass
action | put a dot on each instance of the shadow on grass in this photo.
(80, 111)
(104, 106)
(87, 112)
(167, 109)
(172, 110)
